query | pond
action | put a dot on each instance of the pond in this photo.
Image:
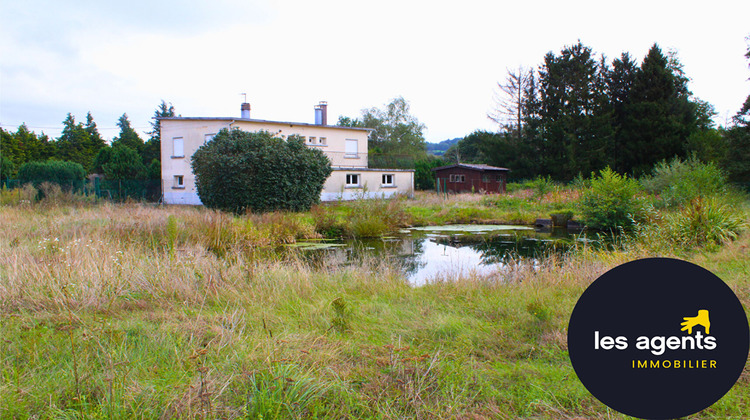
(447, 252)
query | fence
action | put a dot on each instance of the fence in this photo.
(108, 189)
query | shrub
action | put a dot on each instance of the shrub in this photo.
(610, 202)
(542, 186)
(679, 181)
(705, 222)
(68, 175)
(122, 163)
(239, 171)
(424, 177)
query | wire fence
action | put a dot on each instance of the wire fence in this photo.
(107, 189)
(389, 161)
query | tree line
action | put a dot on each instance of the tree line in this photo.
(575, 114)
(128, 157)
(578, 113)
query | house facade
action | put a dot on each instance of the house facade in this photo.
(468, 177)
(346, 147)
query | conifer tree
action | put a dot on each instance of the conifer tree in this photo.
(72, 143)
(660, 116)
(570, 102)
(619, 87)
(152, 149)
(128, 136)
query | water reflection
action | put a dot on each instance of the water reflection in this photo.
(429, 254)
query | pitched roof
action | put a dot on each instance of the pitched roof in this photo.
(476, 166)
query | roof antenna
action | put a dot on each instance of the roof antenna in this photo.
(245, 97)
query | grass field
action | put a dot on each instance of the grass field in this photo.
(136, 311)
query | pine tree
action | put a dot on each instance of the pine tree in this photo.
(619, 89)
(72, 143)
(128, 136)
(571, 90)
(660, 116)
(737, 158)
(96, 141)
(152, 149)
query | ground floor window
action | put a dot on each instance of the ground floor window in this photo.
(457, 178)
(352, 180)
(388, 180)
(179, 181)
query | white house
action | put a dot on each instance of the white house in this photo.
(346, 147)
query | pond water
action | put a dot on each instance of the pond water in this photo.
(447, 252)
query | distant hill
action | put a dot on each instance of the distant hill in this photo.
(438, 149)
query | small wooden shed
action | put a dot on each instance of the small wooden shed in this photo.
(471, 177)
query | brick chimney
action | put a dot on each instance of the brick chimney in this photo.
(321, 113)
(245, 110)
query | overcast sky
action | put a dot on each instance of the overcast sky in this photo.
(445, 58)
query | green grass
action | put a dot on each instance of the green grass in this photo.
(132, 311)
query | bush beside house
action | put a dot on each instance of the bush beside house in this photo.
(240, 171)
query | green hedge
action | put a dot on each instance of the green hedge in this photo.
(69, 175)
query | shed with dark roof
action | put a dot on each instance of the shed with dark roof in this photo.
(471, 177)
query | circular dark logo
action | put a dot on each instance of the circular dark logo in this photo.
(658, 338)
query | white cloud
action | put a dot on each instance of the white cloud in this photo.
(444, 58)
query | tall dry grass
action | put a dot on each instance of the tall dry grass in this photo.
(122, 311)
(113, 255)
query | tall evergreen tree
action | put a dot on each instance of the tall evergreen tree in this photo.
(737, 158)
(96, 141)
(660, 116)
(10, 148)
(532, 146)
(619, 88)
(128, 136)
(72, 143)
(152, 149)
(9, 153)
(571, 92)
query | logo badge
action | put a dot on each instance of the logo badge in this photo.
(658, 338)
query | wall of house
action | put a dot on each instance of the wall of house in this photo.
(473, 180)
(370, 184)
(329, 139)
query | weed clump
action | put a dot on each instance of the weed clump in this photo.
(361, 218)
(678, 181)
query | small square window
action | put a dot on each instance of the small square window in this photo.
(388, 180)
(322, 140)
(179, 181)
(208, 137)
(311, 140)
(352, 180)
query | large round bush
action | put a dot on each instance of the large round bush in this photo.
(240, 171)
